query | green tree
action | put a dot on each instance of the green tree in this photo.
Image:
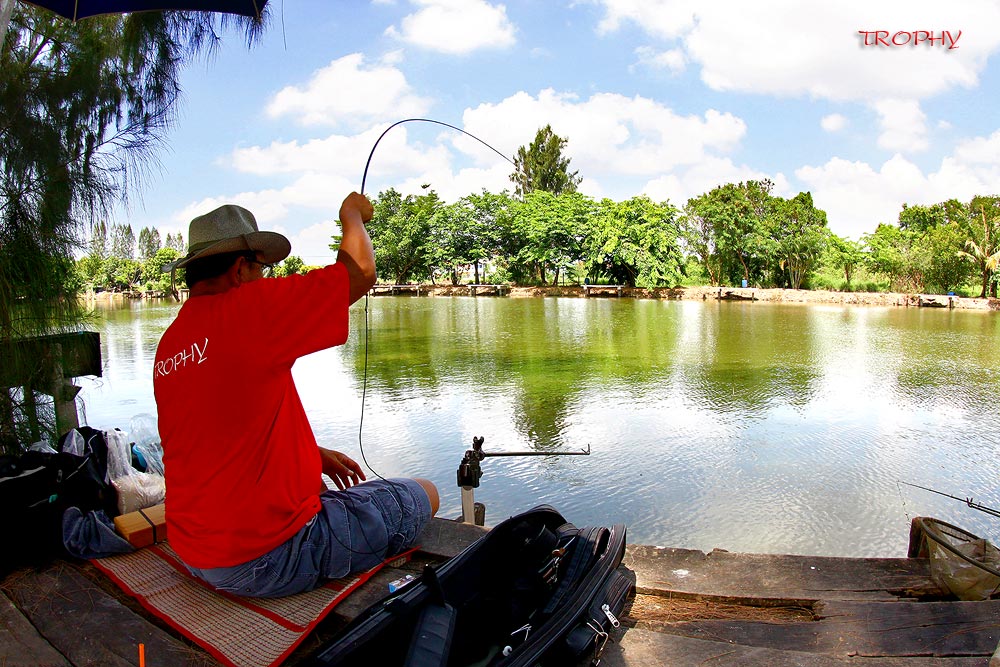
(151, 273)
(635, 242)
(948, 270)
(697, 232)
(123, 241)
(542, 165)
(148, 243)
(897, 255)
(937, 235)
(400, 230)
(455, 240)
(552, 228)
(175, 241)
(737, 215)
(83, 106)
(981, 224)
(797, 232)
(941, 237)
(291, 266)
(844, 255)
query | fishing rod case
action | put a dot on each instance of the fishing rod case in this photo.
(534, 590)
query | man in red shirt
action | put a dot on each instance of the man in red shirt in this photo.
(247, 510)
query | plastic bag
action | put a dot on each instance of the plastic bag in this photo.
(44, 447)
(136, 490)
(146, 446)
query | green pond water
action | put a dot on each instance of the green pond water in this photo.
(743, 426)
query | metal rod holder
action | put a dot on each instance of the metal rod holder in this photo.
(470, 472)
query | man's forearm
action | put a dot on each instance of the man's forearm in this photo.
(356, 253)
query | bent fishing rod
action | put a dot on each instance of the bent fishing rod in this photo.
(968, 501)
(364, 180)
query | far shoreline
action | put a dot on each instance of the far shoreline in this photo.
(701, 293)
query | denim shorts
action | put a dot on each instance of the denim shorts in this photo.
(355, 530)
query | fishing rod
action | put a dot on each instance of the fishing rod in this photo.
(364, 180)
(968, 501)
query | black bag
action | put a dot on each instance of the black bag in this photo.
(535, 590)
(35, 489)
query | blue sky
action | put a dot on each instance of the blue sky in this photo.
(667, 98)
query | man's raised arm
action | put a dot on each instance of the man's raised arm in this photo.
(356, 252)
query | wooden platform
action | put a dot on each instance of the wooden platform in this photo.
(70, 615)
(488, 289)
(590, 290)
(692, 608)
(872, 611)
(736, 294)
(392, 290)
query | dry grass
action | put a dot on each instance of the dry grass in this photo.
(659, 609)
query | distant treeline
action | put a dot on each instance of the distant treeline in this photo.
(734, 233)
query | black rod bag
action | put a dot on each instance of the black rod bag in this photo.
(534, 590)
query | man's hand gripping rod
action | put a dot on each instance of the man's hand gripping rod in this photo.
(469, 472)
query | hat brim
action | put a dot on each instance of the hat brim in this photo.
(273, 246)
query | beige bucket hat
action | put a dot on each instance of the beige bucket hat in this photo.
(230, 228)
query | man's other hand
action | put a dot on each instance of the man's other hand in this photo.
(341, 468)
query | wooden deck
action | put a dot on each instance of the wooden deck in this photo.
(488, 289)
(736, 294)
(589, 290)
(691, 608)
(392, 290)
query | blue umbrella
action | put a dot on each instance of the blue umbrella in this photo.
(79, 9)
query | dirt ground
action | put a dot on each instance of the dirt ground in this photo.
(743, 294)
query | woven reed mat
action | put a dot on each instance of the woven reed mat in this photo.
(242, 632)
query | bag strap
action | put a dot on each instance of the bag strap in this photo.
(581, 557)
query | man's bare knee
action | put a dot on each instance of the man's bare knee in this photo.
(432, 493)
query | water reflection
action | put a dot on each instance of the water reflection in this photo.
(751, 427)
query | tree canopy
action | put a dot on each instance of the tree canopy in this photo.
(83, 107)
(542, 166)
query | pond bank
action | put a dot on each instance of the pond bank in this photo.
(705, 293)
(701, 293)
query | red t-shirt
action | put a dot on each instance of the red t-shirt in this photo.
(241, 461)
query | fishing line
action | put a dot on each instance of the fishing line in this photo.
(364, 380)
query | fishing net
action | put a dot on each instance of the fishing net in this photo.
(966, 565)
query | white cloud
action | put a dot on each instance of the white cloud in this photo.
(312, 244)
(666, 20)
(456, 26)
(346, 92)
(857, 197)
(783, 47)
(980, 150)
(904, 125)
(710, 173)
(608, 133)
(833, 122)
(672, 60)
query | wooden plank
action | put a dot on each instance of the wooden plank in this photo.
(445, 538)
(441, 539)
(867, 629)
(764, 578)
(20, 643)
(80, 355)
(644, 648)
(88, 626)
(371, 592)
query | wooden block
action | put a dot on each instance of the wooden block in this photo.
(143, 527)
